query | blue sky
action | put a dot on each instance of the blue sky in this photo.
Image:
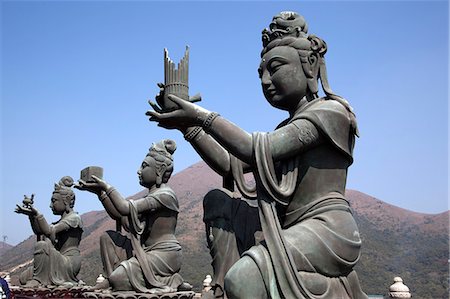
(76, 77)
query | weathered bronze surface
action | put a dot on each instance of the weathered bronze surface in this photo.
(57, 258)
(310, 239)
(148, 258)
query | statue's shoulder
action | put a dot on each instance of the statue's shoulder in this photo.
(333, 120)
(328, 106)
(166, 196)
(324, 113)
(73, 219)
(165, 191)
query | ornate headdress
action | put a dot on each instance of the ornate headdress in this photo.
(164, 148)
(64, 184)
(283, 24)
(63, 187)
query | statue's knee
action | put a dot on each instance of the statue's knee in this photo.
(105, 238)
(231, 282)
(119, 280)
(217, 203)
(216, 197)
(40, 245)
(117, 276)
(244, 280)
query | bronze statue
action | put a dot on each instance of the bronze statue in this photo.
(311, 241)
(57, 258)
(149, 258)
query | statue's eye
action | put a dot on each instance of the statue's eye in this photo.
(275, 65)
(260, 72)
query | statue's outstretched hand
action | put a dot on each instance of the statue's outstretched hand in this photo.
(186, 115)
(27, 207)
(96, 186)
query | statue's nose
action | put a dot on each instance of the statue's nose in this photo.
(265, 79)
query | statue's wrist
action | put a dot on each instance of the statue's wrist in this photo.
(109, 190)
(207, 123)
(102, 196)
(202, 115)
(191, 132)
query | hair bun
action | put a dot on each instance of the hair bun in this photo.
(170, 145)
(318, 45)
(66, 181)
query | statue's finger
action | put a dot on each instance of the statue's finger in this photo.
(153, 114)
(160, 85)
(177, 100)
(96, 178)
(155, 106)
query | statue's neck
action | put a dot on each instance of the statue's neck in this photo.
(301, 104)
(154, 188)
(66, 213)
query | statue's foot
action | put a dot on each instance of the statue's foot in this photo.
(66, 285)
(184, 287)
(209, 295)
(163, 290)
(101, 285)
(33, 283)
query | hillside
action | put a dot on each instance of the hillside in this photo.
(397, 242)
(4, 247)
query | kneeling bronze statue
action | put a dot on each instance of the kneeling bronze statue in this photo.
(148, 259)
(57, 258)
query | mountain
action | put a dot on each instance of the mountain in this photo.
(396, 242)
(4, 247)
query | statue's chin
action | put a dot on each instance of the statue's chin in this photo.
(144, 185)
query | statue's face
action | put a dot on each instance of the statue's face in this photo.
(147, 172)
(57, 204)
(282, 78)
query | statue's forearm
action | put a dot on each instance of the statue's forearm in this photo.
(42, 225)
(109, 206)
(211, 152)
(35, 225)
(120, 204)
(235, 140)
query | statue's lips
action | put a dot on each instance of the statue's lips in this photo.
(271, 93)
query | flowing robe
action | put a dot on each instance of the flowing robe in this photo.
(311, 241)
(57, 260)
(155, 266)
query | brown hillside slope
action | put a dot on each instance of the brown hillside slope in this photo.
(396, 241)
(4, 247)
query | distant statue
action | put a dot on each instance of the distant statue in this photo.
(310, 240)
(57, 257)
(149, 258)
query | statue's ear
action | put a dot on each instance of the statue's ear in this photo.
(160, 173)
(313, 72)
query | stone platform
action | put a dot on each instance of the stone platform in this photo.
(42, 292)
(83, 292)
(134, 295)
